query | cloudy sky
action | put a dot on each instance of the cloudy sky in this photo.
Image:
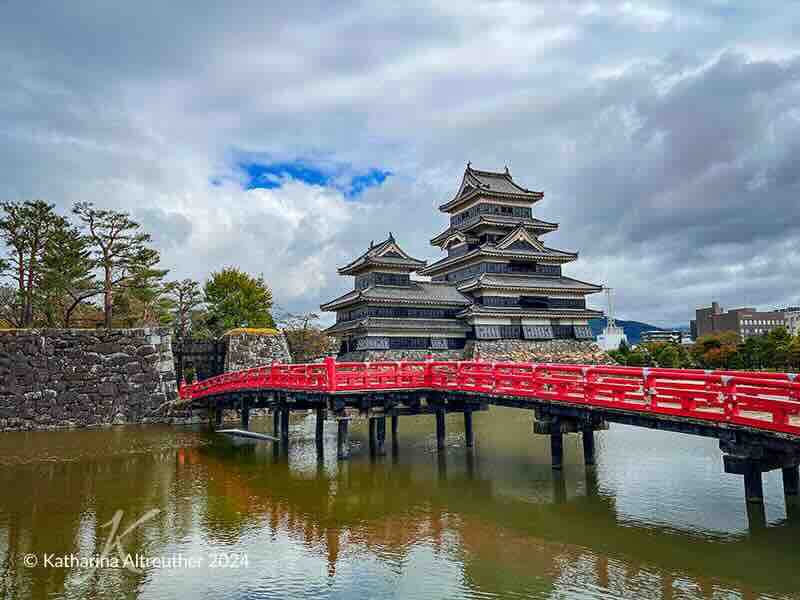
(282, 137)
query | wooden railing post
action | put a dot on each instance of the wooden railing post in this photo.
(330, 373)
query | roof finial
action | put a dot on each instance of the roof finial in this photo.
(372, 243)
(469, 164)
(391, 236)
(507, 173)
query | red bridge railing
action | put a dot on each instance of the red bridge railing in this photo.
(769, 401)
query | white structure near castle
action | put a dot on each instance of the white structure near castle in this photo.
(612, 335)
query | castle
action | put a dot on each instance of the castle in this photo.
(499, 292)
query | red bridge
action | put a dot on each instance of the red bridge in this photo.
(755, 415)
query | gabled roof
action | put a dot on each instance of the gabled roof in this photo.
(385, 253)
(421, 327)
(520, 239)
(544, 283)
(491, 251)
(476, 182)
(502, 221)
(419, 292)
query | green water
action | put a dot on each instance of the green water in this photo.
(656, 518)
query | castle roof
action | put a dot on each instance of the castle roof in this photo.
(489, 183)
(492, 251)
(440, 326)
(529, 283)
(387, 254)
(419, 292)
(502, 221)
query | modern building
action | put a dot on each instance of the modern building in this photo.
(746, 322)
(673, 336)
(498, 281)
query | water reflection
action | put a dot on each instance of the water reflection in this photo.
(654, 519)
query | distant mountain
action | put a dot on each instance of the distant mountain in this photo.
(633, 329)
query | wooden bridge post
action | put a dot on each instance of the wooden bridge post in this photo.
(395, 426)
(342, 439)
(753, 485)
(440, 428)
(320, 429)
(276, 420)
(373, 432)
(217, 416)
(468, 435)
(245, 414)
(791, 480)
(588, 447)
(557, 449)
(381, 445)
(285, 423)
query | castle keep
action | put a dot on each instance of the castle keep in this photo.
(499, 286)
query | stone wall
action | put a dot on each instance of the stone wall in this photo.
(54, 378)
(254, 348)
(378, 355)
(558, 351)
(563, 351)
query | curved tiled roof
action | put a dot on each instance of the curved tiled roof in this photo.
(387, 252)
(501, 220)
(419, 292)
(529, 282)
(491, 250)
(476, 182)
(427, 325)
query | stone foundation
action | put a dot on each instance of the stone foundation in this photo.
(55, 378)
(556, 351)
(562, 351)
(248, 348)
(379, 355)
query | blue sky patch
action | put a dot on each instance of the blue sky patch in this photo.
(342, 177)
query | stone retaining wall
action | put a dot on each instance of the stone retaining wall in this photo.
(564, 351)
(248, 349)
(558, 351)
(378, 355)
(54, 378)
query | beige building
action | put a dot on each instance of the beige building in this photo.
(746, 322)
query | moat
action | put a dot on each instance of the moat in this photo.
(654, 519)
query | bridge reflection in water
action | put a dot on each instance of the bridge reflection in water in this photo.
(653, 519)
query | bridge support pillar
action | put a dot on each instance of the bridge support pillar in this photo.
(373, 434)
(276, 421)
(395, 425)
(440, 429)
(342, 439)
(245, 414)
(557, 450)
(285, 424)
(217, 417)
(588, 447)
(468, 434)
(381, 445)
(753, 484)
(751, 458)
(320, 428)
(791, 480)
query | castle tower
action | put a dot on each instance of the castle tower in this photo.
(387, 311)
(496, 258)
